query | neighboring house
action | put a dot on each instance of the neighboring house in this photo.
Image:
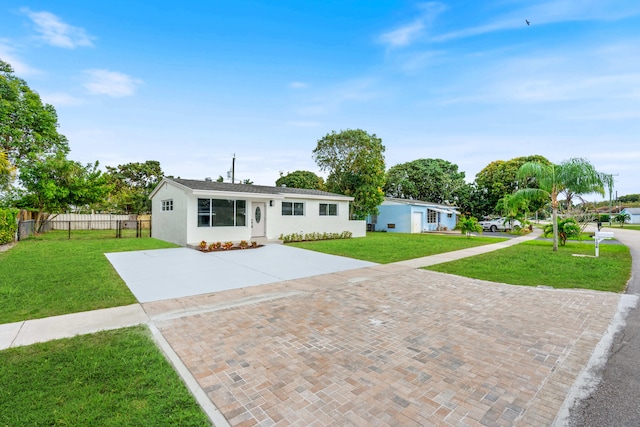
(188, 211)
(634, 215)
(413, 216)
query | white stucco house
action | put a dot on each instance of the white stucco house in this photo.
(634, 215)
(413, 216)
(186, 211)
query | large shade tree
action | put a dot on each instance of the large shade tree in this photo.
(355, 162)
(432, 180)
(575, 175)
(131, 185)
(56, 184)
(301, 179)
(498, 179)
(28, 128)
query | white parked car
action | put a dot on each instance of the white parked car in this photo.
(499, 224)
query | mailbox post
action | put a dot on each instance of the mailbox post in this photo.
(600, 236)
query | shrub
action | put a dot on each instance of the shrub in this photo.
(227, 245)
(8, 225)
(567, 228)
(203, 245)
(299, 237)
(243, 244)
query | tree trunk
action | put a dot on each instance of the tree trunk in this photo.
(554, 219)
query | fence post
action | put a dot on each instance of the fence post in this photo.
(69, 230)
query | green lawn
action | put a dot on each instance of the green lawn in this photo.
(384, 248)
(534, 263)
(46, 276)
(114, 378)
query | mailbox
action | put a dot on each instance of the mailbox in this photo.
(604, 235)
(600, 236)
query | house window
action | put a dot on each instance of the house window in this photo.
(328, 209)
(449, 215)
(222, 213)
(167, 205)
(292, 208)
(432, 216)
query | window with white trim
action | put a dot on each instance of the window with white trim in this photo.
(167, 205)
(328, 209)
(222, 213)
(432, 216)
(292, 208)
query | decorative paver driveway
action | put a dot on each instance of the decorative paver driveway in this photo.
(387, 345)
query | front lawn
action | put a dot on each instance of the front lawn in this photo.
(534, 263)
(44, 276)
(384, 248)
(113, 378)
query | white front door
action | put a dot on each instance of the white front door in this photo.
(257, 220)
(416, 222)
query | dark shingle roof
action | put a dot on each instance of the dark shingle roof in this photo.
(195, 184)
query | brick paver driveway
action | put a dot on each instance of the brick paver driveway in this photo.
(387, 345)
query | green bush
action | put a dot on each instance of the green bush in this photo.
(604, 217)
(8, 225)
(568, 228)
(299, 237)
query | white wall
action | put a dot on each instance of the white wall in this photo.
(170, 226)
(311, 221)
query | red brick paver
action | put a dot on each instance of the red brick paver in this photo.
(409, 348)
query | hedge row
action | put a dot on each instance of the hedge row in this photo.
(299, 237)
(8, 225)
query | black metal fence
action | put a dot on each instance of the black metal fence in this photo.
(88, 229)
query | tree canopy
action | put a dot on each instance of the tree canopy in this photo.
(432, 180)
(355, 162)
(499, 178)
(28, 128)
(55, 185)
(301, 179)
(131, 185)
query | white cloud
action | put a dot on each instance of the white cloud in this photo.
(58, 33)
(549, 12)
(21, 68)
(298, 85)
(110, 83)
(60, 99)
(414, 30)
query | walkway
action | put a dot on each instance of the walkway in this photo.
(382, 345)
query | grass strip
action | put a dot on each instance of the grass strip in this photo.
(113, 378)
(534, 263)
(42, 277)
(384, 248)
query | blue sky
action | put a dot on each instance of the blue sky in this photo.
(191, 83)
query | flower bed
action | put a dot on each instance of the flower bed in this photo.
(226, 246)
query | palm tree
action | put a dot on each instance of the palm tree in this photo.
(622, 217)
(576, 175)
(468, 225)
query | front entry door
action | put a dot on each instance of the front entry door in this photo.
(257, 222)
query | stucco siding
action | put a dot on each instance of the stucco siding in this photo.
(311, 221)
(170, 226)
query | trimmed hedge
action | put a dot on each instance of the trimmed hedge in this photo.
(8, 225)
(299, 237)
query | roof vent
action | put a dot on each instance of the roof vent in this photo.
(208, 179)
(283, 185)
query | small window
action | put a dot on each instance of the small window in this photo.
(391, 226)
(449, 215)
(432, 216)
(328, 209)
(167, 205)
(292, 208)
